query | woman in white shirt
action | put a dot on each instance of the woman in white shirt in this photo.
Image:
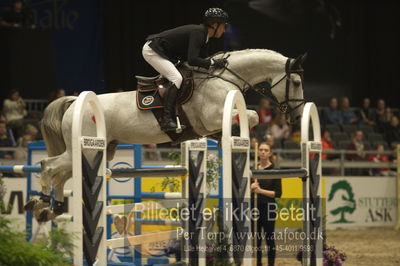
(14, 110)
(279, 128)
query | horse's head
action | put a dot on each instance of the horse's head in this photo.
(288, 89)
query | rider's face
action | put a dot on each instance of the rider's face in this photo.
(219, 29)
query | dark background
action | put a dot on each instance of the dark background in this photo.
(97, 43)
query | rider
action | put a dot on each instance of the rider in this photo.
(185, 43)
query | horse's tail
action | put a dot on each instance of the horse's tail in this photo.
(51, 125)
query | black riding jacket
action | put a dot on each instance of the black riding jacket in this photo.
(184, 43)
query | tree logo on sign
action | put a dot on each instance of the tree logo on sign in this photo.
(342, 194)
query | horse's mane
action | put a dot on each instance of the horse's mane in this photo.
(238, 53)
(245, 51)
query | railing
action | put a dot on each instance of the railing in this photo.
(160, 156)
(35, 105)
(340, 163)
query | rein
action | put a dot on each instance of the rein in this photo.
(283, 106)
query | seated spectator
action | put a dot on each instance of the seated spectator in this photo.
(5, 141)
(55, 94)
(270, 141)
(327, 144)
(364, 113)
(22, 152)
(392, 130)
(32, 131)
(265, 112)
(348, 116)
(60, 93)
(332, 115)
(378, 116)
(14, 110)
(279, 129)
(18, 17)
(377, 158)
(387, 116)
(75, 93)
(2, 118)
(296, 135)
(357, 145)
(151, 153)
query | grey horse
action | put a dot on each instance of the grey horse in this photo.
(125, 123)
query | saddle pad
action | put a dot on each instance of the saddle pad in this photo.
(147, 100)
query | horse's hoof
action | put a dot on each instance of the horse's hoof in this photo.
(45, 215)
(35, 204)
(30, 205)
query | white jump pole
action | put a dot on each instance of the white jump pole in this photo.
(88, 103)
(236, 145)
(313, 246)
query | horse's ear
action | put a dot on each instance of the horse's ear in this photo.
(296, 65)
(304, 57)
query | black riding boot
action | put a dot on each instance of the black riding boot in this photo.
(168, 123)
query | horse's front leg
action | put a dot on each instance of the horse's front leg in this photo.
(59, 171)
(48, 167)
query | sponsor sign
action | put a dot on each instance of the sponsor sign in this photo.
(94, 143)
(361, 201)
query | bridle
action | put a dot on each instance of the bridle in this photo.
(284, 105)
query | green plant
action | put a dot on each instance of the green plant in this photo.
(14, 250)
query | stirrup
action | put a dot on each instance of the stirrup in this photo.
(179, 127)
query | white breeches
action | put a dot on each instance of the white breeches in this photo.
(162, 65)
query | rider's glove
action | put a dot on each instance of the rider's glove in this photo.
(220, 63)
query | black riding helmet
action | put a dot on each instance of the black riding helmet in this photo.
(215, 15)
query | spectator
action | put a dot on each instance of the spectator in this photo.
(270, 141)
(2, 118)
(151, 153)
(279, 129)
(18, 17)
(75, 93)
(357, 145)
(21, 153)
(377, 158)
(387, 115)
(365, 112)
(327, 144)
(32, 131)
(392, 130)
(296, 135)
(14, 110)
(55, 94)
(59, 93)
(348, 116)
(265, 113)
(378, 116)
(253, 142)
(332, 115)
(5, 141)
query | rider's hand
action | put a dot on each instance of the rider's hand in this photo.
(220, 63)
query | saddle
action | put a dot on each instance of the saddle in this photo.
(150, 92)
